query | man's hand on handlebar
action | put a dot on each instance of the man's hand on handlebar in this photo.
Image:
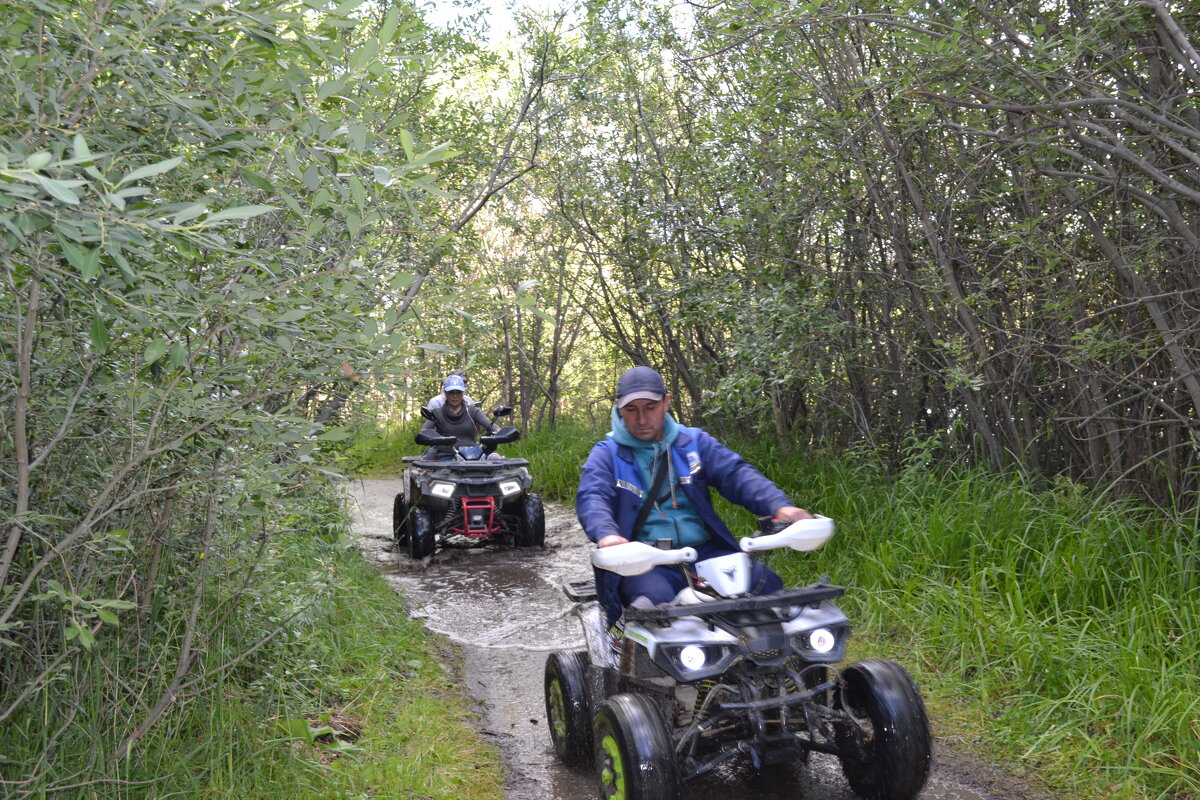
(789, 514)
(610, 540)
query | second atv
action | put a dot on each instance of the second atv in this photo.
(467, 498)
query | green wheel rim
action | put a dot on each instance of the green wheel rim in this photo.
(558, 711)
(612, 774)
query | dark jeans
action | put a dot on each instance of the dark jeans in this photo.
(661, 584)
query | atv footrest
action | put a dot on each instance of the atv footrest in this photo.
(580, 591)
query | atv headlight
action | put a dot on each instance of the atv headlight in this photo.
(442, 489)
(510, 487)
(822, 640)
(689, 662)
(692, 657)
(823, 645)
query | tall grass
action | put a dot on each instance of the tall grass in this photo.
(337, 647)
(1070, 627)
(1060, 632)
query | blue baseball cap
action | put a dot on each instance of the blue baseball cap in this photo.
(454, 383)
(640, 383)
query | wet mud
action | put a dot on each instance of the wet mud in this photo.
(506, 611)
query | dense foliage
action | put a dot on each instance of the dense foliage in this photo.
(853, 225)
(209, 212)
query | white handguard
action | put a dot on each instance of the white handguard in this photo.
(637, 558)
(803, 534)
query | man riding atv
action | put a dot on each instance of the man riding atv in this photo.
(460, 491)
(711, 660)
(647, 447)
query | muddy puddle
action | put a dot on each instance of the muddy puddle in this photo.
(506, 611)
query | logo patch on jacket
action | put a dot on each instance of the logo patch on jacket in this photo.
(693, 460)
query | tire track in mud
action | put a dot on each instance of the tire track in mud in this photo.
(506, 611)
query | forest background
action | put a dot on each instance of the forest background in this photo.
(912, 237)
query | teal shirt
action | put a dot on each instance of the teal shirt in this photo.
(673, 516)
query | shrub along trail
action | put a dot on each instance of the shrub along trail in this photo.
(505, 610)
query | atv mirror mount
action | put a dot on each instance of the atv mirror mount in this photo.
(426, 413)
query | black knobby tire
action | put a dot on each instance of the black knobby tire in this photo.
(567, 711)
(421, 541)
(400, 520)
(531, 522)
(635, 759)
(899, 746)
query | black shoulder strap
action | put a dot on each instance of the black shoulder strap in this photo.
(649, 498)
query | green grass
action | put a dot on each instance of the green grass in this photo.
(1059, 633)
(1049, 632)
(377, 449)
(348, 653)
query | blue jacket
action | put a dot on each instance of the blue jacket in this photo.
(611, 490)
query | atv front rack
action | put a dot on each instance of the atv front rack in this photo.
(805, 595)
(484, 465)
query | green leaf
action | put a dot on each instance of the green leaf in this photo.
(335, 435)
(311, 178)
(154, 351)
(293, 204)
(59, 190)
(120, 605)
(358, 133)
(254, 179)
(11, 226)
(84, 259)
(364, 54)
(302, 730)
(191, 212)
(99, 335)
(357, 192)
(80, 146)
(390, 23)
(406, 141)
(107, 616)
(292, 315)
(240, 212)
(38, 160)
(329, 88)
(151, 169)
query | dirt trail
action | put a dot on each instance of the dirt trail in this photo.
(506, 610)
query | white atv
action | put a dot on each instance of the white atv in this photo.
(673, 691)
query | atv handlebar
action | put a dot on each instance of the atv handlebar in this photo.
(637, 558)
(434, 439)
(503, 436)
(802, 535)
